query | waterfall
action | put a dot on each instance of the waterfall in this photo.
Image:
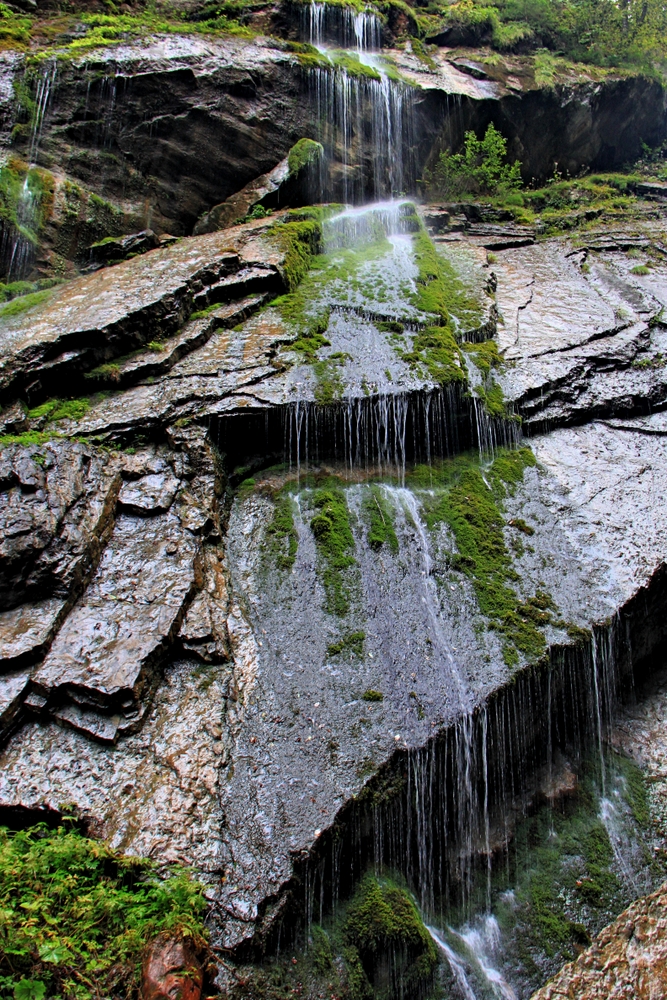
(364, 117)
(17, 247)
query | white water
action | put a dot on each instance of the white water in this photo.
(17, 249)
(472, 960)
(364, 122)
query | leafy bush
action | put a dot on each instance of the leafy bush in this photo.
(75, 916)
(480, 168)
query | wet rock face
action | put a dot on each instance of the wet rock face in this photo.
(213, 675)
(165, 131)
(628, 958)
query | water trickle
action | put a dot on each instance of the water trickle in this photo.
(17, 247)
(45, 86)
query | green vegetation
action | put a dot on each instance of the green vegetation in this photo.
(28, 438)
(283, 537)
(381, 519)
(603, 32)
(472, 505)
(480, 168)
(335, 543)
(382, 925)
(304, 153)
(371, 695)
(17, 306)
(352, 643)
(563, 869)
(61, 409)
(75, 916)
(26, 198)
(299, 237)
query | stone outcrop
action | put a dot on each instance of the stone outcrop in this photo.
(135, 123)
(294, 181)
(628, 959)
(190, 698)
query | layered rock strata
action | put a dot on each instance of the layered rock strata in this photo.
(190, 695)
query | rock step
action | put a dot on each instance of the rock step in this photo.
(91, 321)
(195, 334)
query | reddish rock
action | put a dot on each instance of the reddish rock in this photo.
(627, 961)
(171, 970)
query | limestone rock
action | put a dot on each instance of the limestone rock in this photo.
(286, 184)
(127, 617)
(56, 507)
(111, 251)
(627, 961)
(26, 631)
(113, 311)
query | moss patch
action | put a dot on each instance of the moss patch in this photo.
(472, 505)
(352, 643)
(283, 538)
(382, 926)
(303, 153)
(380, 516)
(335, 543)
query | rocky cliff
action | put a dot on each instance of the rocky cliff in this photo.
(330, 540)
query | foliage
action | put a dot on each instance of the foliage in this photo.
(480, 168)
(75, 916)
(606, 32)
(335, 543)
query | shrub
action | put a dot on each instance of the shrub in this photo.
(480, 168)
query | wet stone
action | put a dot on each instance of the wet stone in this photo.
(149, 495)
(25, 631)
(129, 614)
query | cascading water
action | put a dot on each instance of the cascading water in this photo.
(17, 249)
(365, 117)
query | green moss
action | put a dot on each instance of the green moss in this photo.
(76, 916)
(431, 296)
(358, 985)
(473, 507)
(352, 643)
(28, 438)
(381, 520)
(383, 924)
(335, 543)
(62, 409)
(372, 695)
(282, 534)
(299, 237)
(485, 356)
(321, 953)
(640, 269)
(520, 525)
(26, 302)
(302, 154)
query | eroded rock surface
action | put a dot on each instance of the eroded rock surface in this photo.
(172, 667)
(627, 959)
